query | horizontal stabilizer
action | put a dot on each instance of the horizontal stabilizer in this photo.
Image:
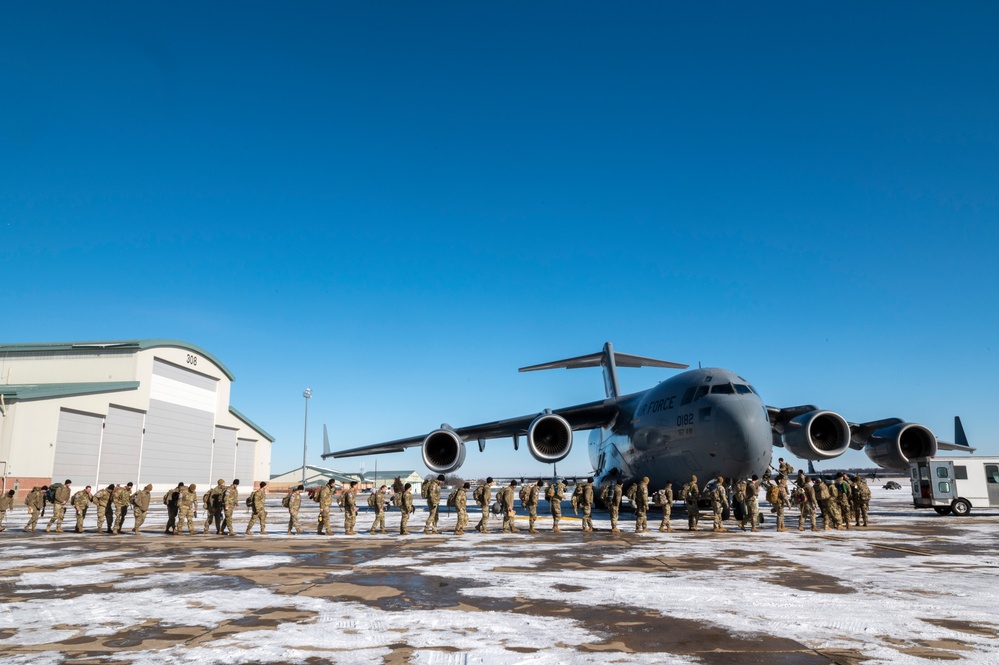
(594, 359)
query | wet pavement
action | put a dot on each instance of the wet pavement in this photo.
(912, 588)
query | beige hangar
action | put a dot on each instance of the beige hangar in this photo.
(146, 411)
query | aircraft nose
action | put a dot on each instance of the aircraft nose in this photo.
(742, 429)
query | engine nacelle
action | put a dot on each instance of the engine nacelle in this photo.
(549, 438)
(817, 435)
(893, 447)
(443, 451)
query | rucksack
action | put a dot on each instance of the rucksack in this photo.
(632, 492)
(50, 492)
(452, 498)
(249, 499)
(773, 493)
(425, 489)
(524, 491)
(605, 494)
(659, 498)
(286, 501)
(339, 499)
(479, 494)
(397, 499)
(371, 500)
(550, 493)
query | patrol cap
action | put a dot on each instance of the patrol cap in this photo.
(221, 482)
(645, 479)
(148, 488)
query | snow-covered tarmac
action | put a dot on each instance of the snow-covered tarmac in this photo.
(912, 588)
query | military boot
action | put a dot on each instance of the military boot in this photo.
(263, 533)
(47, 527)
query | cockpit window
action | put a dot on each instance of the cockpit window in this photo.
(688, 396)
(701, 392)
(754, 391)
(742, 389)
(723, 389)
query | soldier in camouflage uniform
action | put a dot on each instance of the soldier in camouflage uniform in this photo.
(822, 498)
(585, 502)
(614, 495)
(59, 506)
(294, 505)
(555, 504)
(6, 503)
(507, 496)
(845, 507)
(102, 499)
(433, 503)
(35, 501)
(460, 506)
(642, 506)
(121, 498)
(258, 509)
(140, 507)
(666, 503)
(380, 505)
(230, 499)
(719, 502)
(752, 503)
(691, 495)
(861, 500)
(350, 509)
(783, 500)
(533, 496)
(407, 509)
(81, 501)
(326, 494)
(808, 506)
(212, 502)
(187, 509)
(837, 516)
(483, 497)
(801, 481)
(171, 500)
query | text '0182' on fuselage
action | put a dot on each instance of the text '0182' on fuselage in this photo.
(708, 422)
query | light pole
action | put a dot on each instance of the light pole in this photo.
(305, 438)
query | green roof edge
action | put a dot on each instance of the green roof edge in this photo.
(48, 390)
(252, 424)
(140, 344)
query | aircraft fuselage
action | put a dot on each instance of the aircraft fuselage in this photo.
(706, 422)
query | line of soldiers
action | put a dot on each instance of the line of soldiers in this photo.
(844, 500)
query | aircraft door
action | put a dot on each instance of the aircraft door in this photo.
(992, 482)
(942, 478)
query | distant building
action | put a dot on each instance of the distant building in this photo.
(142, 411)
(314, 475)
(376, 479)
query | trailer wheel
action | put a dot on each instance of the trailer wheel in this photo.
(942, 510)
(961, 507)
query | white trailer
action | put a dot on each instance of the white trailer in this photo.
(955, 484)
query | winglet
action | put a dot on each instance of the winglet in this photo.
(609, 361)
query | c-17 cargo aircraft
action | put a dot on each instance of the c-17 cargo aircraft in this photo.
(708, 422)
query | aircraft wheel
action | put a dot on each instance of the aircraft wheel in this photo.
(942, 510)
(961, 507)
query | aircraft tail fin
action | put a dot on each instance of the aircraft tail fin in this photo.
(326, 443)
(609, 361)
(960, 438)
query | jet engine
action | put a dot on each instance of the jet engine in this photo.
(893, 447)
(817, 435)
(549, 438)
(443, 451)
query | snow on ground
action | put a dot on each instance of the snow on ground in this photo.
(829, 591)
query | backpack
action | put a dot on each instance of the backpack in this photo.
(452, 498)
(659, 498)
(397, 499)
(50, 492)
(249, 499)
(605, 494)
(479, 494)
(865, 492)
(550, 493)
(286, 501)
(371, 500)
(524, 494)
(314, 493)
(425, 490)
(632, 492)
(773, 493)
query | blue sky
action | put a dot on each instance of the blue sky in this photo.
(398, 204)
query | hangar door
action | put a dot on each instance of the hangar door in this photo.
(244, 460)
(77, 448)
(121, 447)
(180, 426)
(224, 456)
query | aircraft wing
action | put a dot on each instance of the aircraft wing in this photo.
(583, 416)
